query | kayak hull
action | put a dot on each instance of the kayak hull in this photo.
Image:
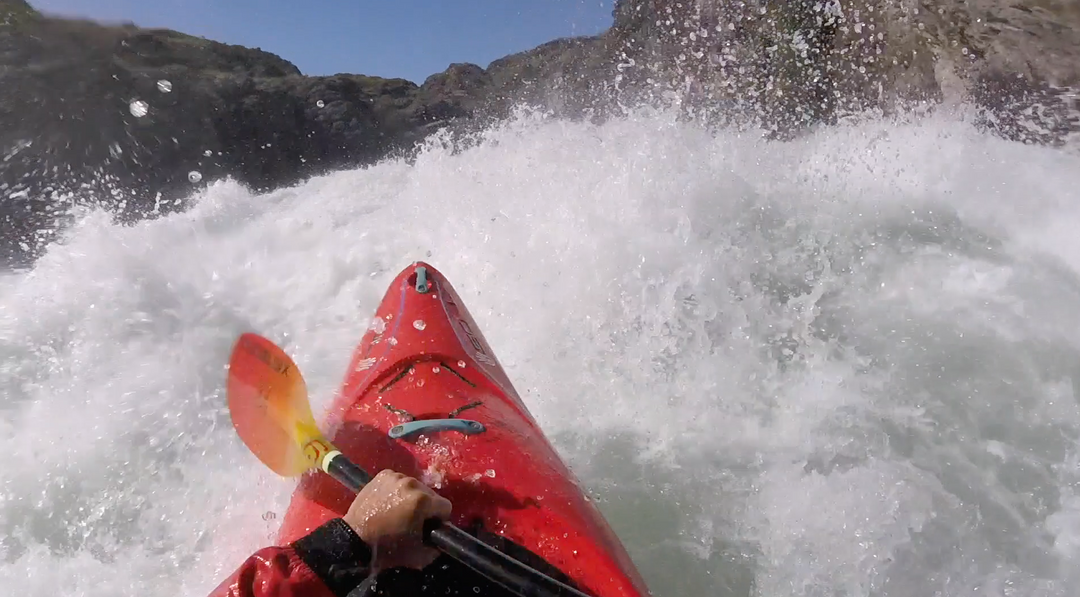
(424, 395)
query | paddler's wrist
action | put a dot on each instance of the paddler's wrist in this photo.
(332, 544)
(336, 555)
(360, 530)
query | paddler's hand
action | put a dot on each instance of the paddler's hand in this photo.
(389, 514)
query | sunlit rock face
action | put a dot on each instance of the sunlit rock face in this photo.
(791, 63)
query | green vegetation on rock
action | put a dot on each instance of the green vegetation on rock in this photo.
(16, 12)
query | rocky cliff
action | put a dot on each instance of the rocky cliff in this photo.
(130, 117)
(788, 64)
(137, 118)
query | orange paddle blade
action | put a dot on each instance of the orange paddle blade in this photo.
(269, 406)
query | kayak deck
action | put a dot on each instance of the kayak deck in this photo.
(425, 396)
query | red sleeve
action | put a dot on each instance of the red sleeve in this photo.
(273, 572)
(328, 562)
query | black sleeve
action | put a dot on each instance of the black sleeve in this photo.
(337, 555)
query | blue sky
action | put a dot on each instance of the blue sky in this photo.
(389, 38)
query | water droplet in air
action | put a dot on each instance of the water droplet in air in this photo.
(419, 324)
(320, 103)
(164, 86)
(208, 153)
(194, 176)
(138, 108)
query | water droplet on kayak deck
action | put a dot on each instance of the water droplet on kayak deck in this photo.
(490, 473)
(461, 364)
(138, 108)
(419, 324)
(435, 369)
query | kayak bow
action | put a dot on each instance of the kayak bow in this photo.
(424, 395)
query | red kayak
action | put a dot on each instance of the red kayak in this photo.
(424, 395)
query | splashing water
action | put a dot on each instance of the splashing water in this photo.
(837, 366)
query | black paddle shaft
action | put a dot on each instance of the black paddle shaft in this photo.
(489, 562)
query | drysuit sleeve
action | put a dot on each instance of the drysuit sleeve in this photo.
(328, 562)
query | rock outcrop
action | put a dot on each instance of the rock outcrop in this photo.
(138, 118)
(789, 64)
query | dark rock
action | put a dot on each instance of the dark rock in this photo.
(128, 118)
(451, 94)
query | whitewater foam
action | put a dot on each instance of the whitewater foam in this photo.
(843, 365)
